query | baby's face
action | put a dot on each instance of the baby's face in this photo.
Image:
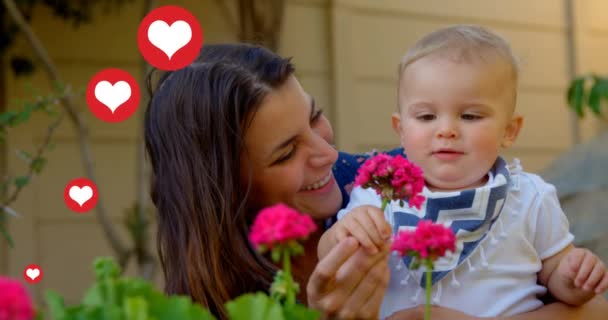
(454, 118)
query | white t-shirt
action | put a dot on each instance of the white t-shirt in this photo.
(500, 276)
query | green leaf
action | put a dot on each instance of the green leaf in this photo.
(197, 312)
(6, 117)
(175, 307)
(295, 249)
(105, 268)
(93, 296)
(276, 253)
(595, 95)
(56, 305)
(59, 87)
(254, 307)
(136, 308)
(603, 92)
(576, 94)
(38, 164)
(300, 312)
(20, 118)
(278, 288)
(111, 311)
(22, 181)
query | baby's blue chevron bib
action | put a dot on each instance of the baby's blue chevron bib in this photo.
(469, 213)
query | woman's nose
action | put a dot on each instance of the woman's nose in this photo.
(323, 153)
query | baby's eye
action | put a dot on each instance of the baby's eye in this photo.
(426, 117)
(468, 116)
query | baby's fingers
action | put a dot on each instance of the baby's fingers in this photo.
(367, 221)
(359, 232)
(585, 269)
(598, 272)
(575, 259)
(382, 226)
(603, 285)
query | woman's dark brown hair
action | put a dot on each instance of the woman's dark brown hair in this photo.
(194, 131)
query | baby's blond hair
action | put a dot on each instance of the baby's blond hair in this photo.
(468, 42)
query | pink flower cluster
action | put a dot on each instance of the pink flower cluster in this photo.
(280, 224)
(429, 240)
(393, 178)
(15, 303)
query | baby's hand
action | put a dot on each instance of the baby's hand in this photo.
(366, 224)
(585, 270)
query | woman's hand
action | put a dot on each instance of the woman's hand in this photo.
(437, 313)
(349, 283)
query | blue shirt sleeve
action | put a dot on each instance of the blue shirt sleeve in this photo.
(345, 171)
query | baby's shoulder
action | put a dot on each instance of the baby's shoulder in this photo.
(531, 184)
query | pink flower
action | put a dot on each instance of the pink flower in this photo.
(429, 240)
(393, 178)
(15, 303)
(279, 224)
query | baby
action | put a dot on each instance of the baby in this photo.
(456, 99)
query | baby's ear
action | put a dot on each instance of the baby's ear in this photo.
(512, 130)
(396, 122)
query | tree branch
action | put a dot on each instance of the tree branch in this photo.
(69, 106)
(30, 173)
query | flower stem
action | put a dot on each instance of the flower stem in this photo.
(384, 203)
(291, 297)
(427, 306)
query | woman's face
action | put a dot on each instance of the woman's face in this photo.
(289, 154)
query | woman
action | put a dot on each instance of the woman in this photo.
(228, 135)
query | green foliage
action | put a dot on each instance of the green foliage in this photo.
(117, 298)
(588, 91)
(22, 181)
(35, 162)
(259, 306)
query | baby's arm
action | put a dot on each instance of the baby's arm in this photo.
(365, 223)
(574, 275)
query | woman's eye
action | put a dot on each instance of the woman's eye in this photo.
(470, 117)
(426, 117)
(316, 116)
(286, 156)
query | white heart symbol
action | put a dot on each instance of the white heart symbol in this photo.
(112, 96)
(169, 39)
(81, 195)
(32, 273)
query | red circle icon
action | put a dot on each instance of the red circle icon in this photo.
(80, 195)
(169, 37)
(33, 273)
(113, 95)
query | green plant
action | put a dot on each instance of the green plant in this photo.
(589, 91)
(121, 298)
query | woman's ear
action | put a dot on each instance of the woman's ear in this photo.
(512, 130)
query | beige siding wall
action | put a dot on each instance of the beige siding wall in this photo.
(306, 37)
(371, 36)
(346, 52)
